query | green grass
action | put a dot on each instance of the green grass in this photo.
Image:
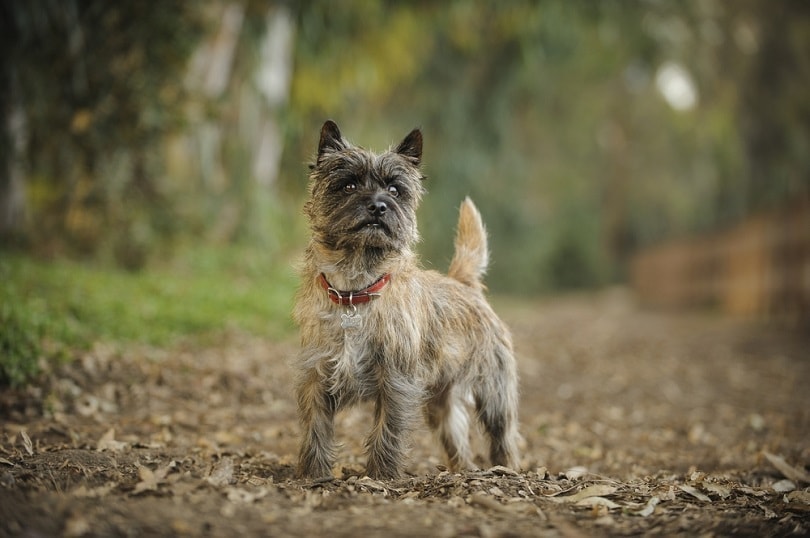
(53, 308)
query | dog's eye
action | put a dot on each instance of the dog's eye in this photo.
(350, 187)
(393, 190)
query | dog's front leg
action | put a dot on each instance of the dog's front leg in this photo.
(316, 411)
(394, 411)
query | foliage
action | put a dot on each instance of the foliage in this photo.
(20, 333)
(549, 114)
(99, 86)
(50, 309)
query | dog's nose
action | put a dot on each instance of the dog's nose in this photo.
(377, 208)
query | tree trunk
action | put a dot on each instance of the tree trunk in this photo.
(12, 149)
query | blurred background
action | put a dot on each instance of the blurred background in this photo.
(664, 144)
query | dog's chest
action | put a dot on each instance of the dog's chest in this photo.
(366, 345)
(356, 364)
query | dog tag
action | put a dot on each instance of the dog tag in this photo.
(351, 319)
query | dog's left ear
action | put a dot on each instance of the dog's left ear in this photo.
(411, 147)
(331, 139)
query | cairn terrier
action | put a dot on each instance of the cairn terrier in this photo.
(375, 327)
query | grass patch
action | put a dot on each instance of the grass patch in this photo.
(62, 305)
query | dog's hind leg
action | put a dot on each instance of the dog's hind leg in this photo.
(446, 414)
(496, 401)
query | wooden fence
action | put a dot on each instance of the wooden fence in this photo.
(759, 268)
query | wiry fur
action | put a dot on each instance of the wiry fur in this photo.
(428, 343)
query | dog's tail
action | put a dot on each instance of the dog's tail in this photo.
(472, 255)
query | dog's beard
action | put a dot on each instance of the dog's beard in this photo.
(352, 228)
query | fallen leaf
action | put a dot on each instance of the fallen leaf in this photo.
(575, 473)
(596, 490)
(784, 486)
(149, 481)
(371, 484)
(751, 491)
(790, 472)
(108, 442)
(597, 501)
(669, 495)
(27, 444)
(222, 473)
(718, 489)
(694, 493)
(800, 496)
(541, 472)
(501, 470)
(649, 508)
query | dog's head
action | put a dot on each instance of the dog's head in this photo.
(362, 201)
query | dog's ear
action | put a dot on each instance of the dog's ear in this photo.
(411, 147)
(331, 139)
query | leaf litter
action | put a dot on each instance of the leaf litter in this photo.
(646, 431)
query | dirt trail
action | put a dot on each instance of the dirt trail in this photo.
(633, 423)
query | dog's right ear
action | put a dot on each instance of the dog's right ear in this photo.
(331, 139)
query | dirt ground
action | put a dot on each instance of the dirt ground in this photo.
(634, 423)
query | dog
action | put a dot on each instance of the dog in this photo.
(376, 327)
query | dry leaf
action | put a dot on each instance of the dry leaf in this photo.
(751, 491)
(790, 472)
(597, 501)
(694, 493)
(371, 484)
(784, 486)
(27, 444)
(649, 508)
(802, 497)
(108, 442)
(501, 470)
(718, 489)
(222, 473)
(541, 472)
(149, 481)
(669, 495)
(596, 490)
(575, 472)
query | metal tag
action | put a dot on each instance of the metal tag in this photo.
(351, 319)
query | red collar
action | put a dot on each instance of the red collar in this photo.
(354, 297)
